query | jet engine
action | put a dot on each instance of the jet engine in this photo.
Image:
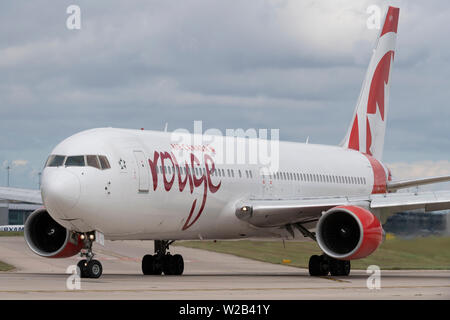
(349, 232)
(49, 239)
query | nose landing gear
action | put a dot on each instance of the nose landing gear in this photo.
(162, 261)
(89, 267)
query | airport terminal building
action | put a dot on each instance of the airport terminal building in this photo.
(15, 213)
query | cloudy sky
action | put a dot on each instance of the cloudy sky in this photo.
(288, 64)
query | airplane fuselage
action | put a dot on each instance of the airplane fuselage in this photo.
(156, 188)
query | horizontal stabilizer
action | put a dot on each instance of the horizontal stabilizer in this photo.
(395, 185)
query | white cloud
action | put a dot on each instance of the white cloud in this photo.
(19, 163)
(288, 64)
(404, 170)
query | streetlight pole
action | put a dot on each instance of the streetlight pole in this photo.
(7, 176)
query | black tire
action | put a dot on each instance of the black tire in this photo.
(314, 266)
(178, 264)
(168, 265)
(148, 262)
(150, 265)
(94, 269)
(82, 264)
(324, 266)
(346, 267)
(335, 267)
(157, 265)
(339, 267)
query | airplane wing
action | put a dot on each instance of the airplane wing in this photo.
(13, 195)
(303, 211)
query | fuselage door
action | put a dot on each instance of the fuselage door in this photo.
(143, 170)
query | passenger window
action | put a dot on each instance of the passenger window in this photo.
(104, 162)
(92, 161)
(55, 161)
(75, 161)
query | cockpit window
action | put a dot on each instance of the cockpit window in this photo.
(99, 162)
(92, 161)
(55, 161)
(75, 161)
(104, 162)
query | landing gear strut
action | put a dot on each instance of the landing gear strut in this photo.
(322, 265)
(162, 261)
(89, 267)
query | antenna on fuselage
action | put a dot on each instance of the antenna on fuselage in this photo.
(165, 127)
(307, 140)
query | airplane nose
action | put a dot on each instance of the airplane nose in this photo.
(60, 191)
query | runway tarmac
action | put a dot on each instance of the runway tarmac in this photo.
(207, 275)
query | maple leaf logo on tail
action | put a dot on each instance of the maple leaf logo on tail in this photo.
(367, 130)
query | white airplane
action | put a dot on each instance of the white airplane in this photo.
(124, 184)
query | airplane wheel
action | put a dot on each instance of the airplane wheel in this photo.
(168, 265)
(346, 267)
(178, 264)
(94, 269)
(317, 266)
(150, 265)
(314, 266)
(147, 264)
(339, 267)
(335, 267)
(82, 264)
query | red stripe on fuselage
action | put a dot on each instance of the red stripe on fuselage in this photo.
(379, 175)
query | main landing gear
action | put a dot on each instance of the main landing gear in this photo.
(89, 267)
(322, 265)
(162, 261)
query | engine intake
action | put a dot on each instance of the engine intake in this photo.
(45, 237)
(349, 232)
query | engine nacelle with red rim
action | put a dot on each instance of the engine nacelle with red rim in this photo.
(349, 232)
(47, 238)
